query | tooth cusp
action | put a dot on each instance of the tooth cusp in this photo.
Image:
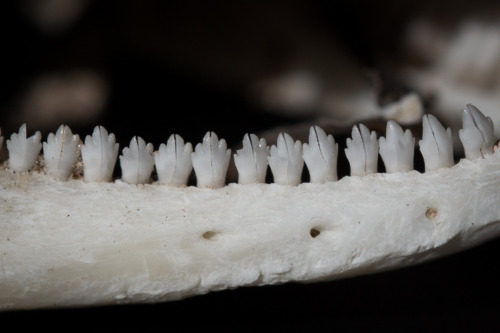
(137, 161)
(397, 148)
(99, 154)
(23, 151)
(285, 160)
(173, 161)
(251, 161)
(210, 161)
(362, 151)
(61, 153)
(477, 135)
(320, 156)
(436, 145)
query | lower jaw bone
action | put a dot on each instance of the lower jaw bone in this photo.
(80, 244)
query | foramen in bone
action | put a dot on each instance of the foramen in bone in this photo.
(175, 160)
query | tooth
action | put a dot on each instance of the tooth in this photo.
(397, 149)
(210, 161)
(137, 161)
(436, 145)
(320, 156)
(99, 155)
(477, 136)
(251, 160)
(285, 160)
(23, 151)
(173, 161)
(61, 153)
(362, 151)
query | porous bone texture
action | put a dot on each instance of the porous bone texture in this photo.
(80, 244)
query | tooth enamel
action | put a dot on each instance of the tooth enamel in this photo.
(285, 160)
(99, 155)
(397, 149)
(477, 135)
(137, 161)
(61, 153)
(251, 161)
(436, 145)
(362, 151)
(173, 161)
(210, 161)
(320, 156)
(23, 151)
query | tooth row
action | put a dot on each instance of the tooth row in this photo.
(210, 159)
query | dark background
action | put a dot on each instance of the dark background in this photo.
(186, 67)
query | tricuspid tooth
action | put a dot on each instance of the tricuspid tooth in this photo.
(23, 151)
(251, 161)
(362, 151)
(137, 161)
(61, 153)
(285, 160)
(397, 149)
(436, 145)
(210, 161)
(173, 161)
(320, 156)
(477, 135)
(99, 155)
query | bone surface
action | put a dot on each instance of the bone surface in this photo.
(78, 244)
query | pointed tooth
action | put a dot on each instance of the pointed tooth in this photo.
(173, 161)
(477, 135)
(137, 161)
(251, 161)
(23, 151)
(397, 149)
(362, 151)
(99, 154)
(320, 156)
(61, 153)
(210, 161)
(285, 160)
(436, 145)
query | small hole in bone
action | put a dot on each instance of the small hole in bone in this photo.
(314, 232)
(209, 234)
(431, 213)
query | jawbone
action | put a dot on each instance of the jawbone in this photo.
(80, 244)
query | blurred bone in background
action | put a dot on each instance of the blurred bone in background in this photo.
(152, 68)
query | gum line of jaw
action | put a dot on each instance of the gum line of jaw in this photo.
(175, 160)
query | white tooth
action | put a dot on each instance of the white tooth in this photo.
(173, 161)
(23, 151)
(362, 151)
(285, 160)
(251, 160)
(99, 155)
(61, 153)
(321, 156)
(436, 145)
(397, 149)
(477, 136)
(210, 161)
(137, 161)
